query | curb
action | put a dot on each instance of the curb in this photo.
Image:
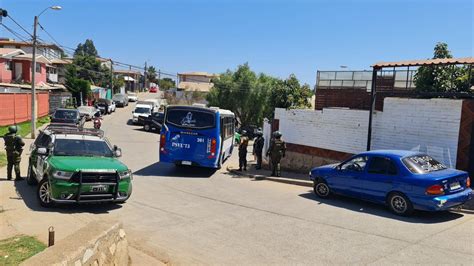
(297, 182)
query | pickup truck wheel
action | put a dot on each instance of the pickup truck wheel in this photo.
(146, 127)
(44, 194)
(31, 177)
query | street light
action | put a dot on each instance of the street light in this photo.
(33, 72)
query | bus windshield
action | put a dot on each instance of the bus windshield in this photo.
(189, 118)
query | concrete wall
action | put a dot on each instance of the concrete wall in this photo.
(98, 243)
(317, 137)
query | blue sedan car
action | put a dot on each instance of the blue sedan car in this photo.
(403, 180)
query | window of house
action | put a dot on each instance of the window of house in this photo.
(38, 68)
(9, 65)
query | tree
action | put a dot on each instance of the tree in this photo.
(442, 78)
(151, 74)
(166, 84)
(252, 97)
(88, 48)
(79, 88)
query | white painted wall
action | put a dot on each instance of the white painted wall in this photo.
(428, 125)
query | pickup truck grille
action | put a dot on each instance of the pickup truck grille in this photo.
(95, 178)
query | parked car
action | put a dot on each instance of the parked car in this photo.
(132, 97)
(106, 106)
(251, 130)
(152, 122)
(87, 112)
(120, 100)
(67, 116)
(153, 90)
(143, 110)
(403, 180)
(72, 165)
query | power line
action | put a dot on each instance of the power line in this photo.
(18, 24)
(14, 33)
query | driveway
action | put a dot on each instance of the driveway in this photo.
(194, 215)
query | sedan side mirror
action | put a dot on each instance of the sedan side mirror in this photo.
(42, 151)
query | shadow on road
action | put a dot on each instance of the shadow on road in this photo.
(380, 210)
(170, 170)
(28, 195)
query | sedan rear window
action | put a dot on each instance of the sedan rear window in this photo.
(421, 164)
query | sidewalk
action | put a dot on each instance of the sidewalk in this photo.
(264, 174)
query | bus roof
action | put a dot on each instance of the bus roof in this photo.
(212, 109)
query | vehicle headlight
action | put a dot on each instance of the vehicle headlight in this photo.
(125, 174)
(62, 175)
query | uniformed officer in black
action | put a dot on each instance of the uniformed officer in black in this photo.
(14, 147)
(244, 142)
(258, 148)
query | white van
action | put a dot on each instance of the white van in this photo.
(141, 109)
(154, 102)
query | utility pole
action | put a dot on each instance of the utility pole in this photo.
(33, 88)
(111, 77)
(144, 80)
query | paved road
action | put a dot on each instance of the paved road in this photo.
(199, 216)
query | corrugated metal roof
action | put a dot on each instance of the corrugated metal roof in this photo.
(428, 62)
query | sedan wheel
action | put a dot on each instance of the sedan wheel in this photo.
(44, 193)
(321, 189)
(146, 127)
(400, 204)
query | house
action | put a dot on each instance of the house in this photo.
(195, 81)
(132, 79)
(55, 68)
(15, 66)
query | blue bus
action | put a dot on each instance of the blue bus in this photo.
(197, 136)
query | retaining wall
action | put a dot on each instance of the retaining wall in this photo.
(98, 243)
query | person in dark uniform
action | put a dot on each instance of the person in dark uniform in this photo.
(258, 149)
(276, 152)
(244, 142)
(14, 147)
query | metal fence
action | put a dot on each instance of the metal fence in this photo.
(396, 79)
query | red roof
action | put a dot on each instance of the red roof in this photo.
(428, 62)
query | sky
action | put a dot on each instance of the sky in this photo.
(278, 37)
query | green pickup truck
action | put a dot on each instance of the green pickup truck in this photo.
(72, 165)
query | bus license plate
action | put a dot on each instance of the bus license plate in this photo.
(186, 163)
(101, 188)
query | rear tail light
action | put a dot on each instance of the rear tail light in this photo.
(162, 142)
(435, 190)
(213, 148)
(468, 182)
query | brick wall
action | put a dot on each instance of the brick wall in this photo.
(16, 107)
(428, 125)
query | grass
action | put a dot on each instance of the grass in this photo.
(3, 159)
(16, 249)
(25, 127)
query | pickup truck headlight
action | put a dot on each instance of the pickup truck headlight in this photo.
(62, 175)
(125, 174)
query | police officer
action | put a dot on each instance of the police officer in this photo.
(244, 142)
(258, 148)
(14, 147)
(276, 152)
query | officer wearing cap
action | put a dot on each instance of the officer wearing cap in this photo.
(258, 148)
(14, 147)
(276, 152)
(244, 142)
